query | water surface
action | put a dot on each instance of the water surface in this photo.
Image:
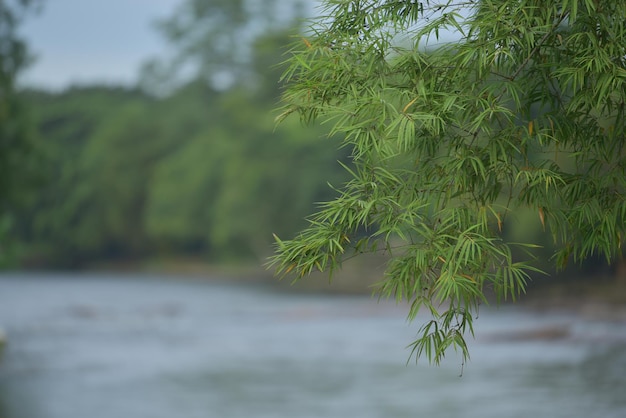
(99, 345)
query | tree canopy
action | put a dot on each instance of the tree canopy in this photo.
(458, 115)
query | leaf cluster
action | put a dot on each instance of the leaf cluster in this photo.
(456, 114)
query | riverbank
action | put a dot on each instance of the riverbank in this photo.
(357, 276)
(602, 297)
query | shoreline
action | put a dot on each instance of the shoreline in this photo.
(600, 297)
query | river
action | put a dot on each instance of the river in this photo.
(134, 346)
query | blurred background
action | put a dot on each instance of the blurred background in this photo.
(148, 134)
(141, 179)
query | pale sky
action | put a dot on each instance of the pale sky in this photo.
(92, 41)
(78, 42)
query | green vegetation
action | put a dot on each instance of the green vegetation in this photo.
(521, 111)
(176, 167)
(199, 172)
(18, 157)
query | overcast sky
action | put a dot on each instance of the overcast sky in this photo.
(92, 41)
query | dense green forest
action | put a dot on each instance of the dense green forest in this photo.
(198, 172)
(173, 167)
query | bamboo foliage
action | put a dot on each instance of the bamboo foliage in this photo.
(522, 106)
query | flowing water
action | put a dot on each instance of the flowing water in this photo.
(132, 346)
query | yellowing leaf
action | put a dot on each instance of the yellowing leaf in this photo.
(408, 105)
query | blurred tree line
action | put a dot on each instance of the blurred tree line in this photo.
(187, 164)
